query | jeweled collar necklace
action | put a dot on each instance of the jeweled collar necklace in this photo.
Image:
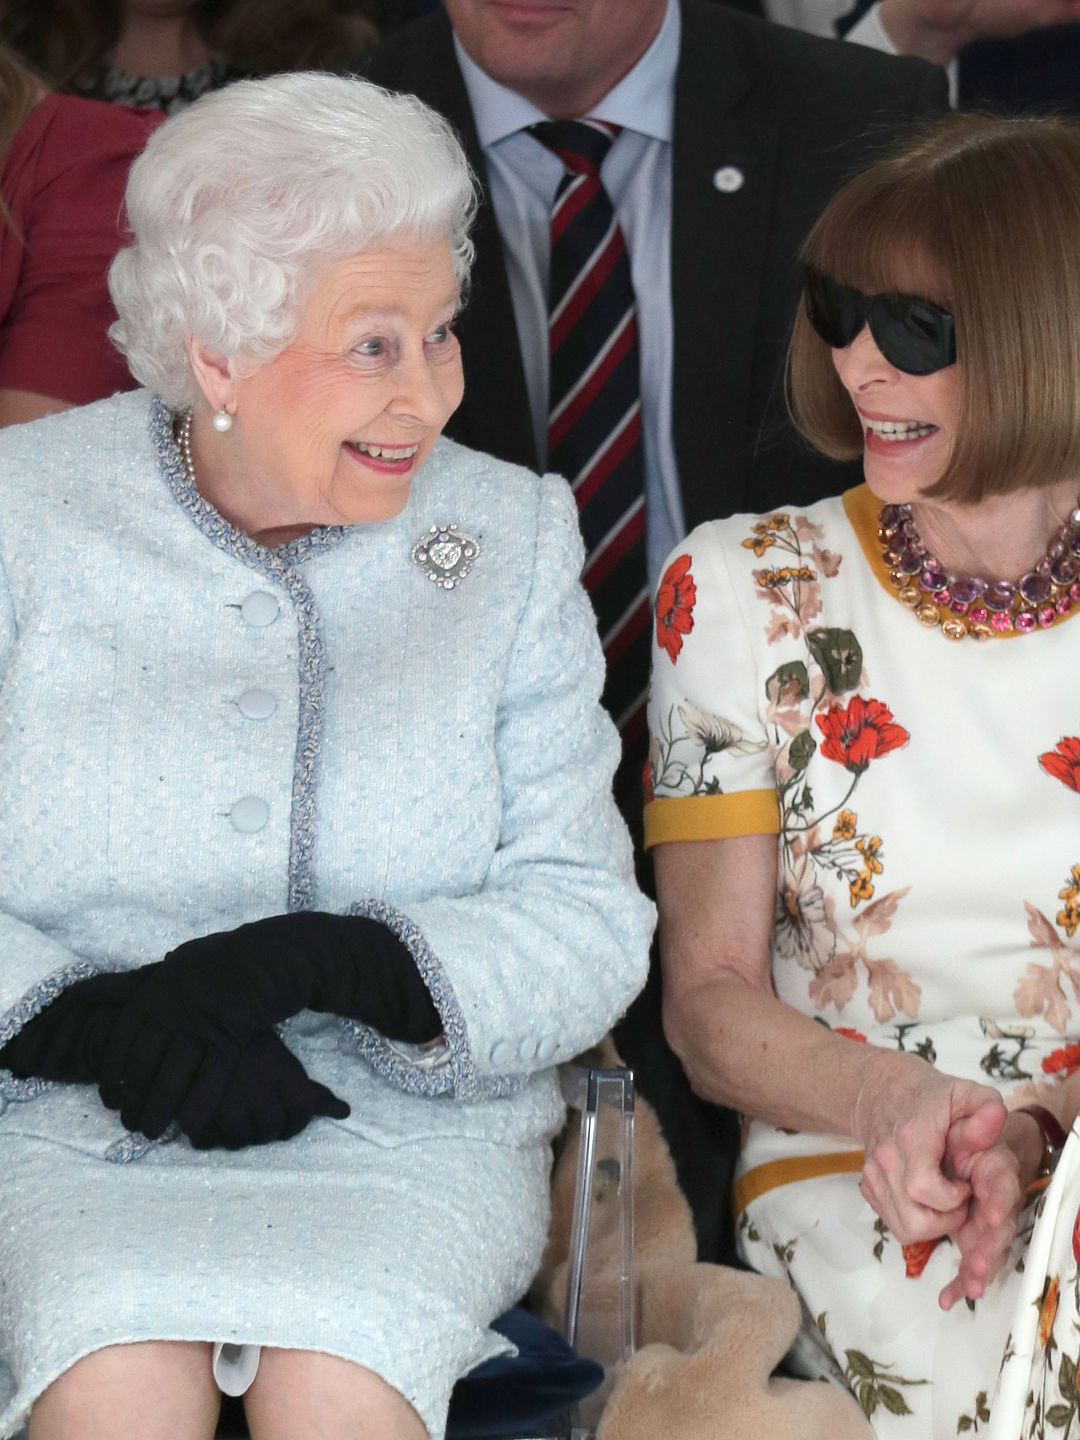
(965, 605)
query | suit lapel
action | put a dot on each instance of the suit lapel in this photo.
(719, 244)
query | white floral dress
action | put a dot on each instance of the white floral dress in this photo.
(925, 795)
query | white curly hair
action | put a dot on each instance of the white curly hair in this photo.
(238, 205)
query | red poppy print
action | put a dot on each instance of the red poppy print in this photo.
(1062, 1062)
(1076, 1238)
(917, 1256)
(675, 602)
(1063, 762)
(861, 731)
(850, 1034)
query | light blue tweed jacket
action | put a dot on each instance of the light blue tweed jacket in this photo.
(196, 731)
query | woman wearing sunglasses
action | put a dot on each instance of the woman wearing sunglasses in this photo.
(865, 799)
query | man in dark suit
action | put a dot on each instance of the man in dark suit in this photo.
(778, 116)
(1013, 55)
(732, 135)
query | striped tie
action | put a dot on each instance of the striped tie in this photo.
(594, 428)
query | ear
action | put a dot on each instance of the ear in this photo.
(213, 375)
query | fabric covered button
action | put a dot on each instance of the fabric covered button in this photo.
(547, 1049)
(260, 608)
(728, 179)
(257, 704)
(249, 814)
(502, 1053)
(528, 1048)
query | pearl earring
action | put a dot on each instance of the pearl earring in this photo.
(222, 422)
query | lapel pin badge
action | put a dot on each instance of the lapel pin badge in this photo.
(728, 179)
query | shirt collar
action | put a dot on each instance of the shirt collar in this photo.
(643, 100)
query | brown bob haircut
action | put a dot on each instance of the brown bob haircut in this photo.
(981, 215)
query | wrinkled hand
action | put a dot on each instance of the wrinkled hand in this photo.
(904, 1116)
(999, 1177)
(937, 29)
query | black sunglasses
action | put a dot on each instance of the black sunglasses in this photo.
(912, 333)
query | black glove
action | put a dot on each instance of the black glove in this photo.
(221, 991)
(227, 1098)
(62, 1042)
(259, 1094)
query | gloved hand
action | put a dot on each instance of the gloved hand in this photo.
(228, 1097)
(62, 1040)
(219, 1099)
(221, 991)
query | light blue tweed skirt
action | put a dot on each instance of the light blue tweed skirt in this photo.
(395, 1253)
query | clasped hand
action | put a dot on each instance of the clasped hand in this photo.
(939, 1163)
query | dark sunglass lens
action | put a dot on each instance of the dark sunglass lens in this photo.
(835, 311)
(913, 334)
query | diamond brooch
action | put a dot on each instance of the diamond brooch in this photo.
(446, 555)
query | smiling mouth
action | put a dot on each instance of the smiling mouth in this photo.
(392, 453)
(897, 430)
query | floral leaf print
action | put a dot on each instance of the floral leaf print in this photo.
(891, 990)
(1043, 934)
(675, 602)
(801, 751)
(1063, 762)
(840, 656)
(980, 1415)
(835, 983)
(873, 1384)
(1040, 993)
(714, 734)
(877, 918)
(860, 732)
(1042, 990)
(788, 684)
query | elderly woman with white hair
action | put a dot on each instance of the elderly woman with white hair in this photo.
(310, 869)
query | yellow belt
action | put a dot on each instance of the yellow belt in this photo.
(770, 1176)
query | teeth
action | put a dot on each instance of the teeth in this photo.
(900, 429)
(385, 452)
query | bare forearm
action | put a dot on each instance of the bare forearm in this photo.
(744, 1048)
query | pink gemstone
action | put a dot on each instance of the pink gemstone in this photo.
(1000, 620)
(978, 613)
(958, 607)
(942, 597)
(1064, 605)
(1047, 616)
(1074, 591)
(1025, 621)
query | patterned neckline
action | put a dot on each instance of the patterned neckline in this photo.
(863, 508)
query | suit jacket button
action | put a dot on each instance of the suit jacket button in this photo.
(260, 608)
(503, 1053)
(249, 814)
(728, 179)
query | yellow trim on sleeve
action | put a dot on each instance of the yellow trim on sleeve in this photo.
(774, 1173)
(711, 817)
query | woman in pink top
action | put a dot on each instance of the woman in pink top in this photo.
(63, 168)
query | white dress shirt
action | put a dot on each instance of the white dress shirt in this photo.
(524, 176)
